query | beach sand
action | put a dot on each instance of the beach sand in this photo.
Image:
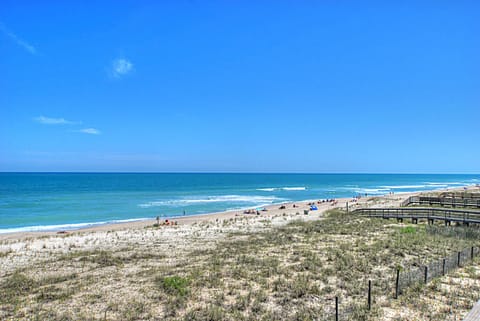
(388, 200)
(31, 251)
(272, 211)
(28, 247)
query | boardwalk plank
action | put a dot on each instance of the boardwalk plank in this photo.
(474, 314)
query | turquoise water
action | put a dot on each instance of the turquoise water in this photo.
(52, 201)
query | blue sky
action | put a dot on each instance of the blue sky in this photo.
(268, 86)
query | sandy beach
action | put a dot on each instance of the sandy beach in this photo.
(272, 211)
(35, 245)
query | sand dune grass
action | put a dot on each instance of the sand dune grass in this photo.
(289, 272)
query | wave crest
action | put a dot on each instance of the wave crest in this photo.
(253, 199)
(271, 189)
(60, 227)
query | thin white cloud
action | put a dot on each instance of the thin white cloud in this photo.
(91, 131)
(62, 121)
(121, 67)
(22, 43)
(55, 121)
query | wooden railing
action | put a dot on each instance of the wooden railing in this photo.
(416, 213)
(461, 195)
(442, 201)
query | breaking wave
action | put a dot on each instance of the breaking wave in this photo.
(376, 191)
(245, 199)
(60, 227)
(271, 189)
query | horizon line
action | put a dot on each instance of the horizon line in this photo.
(238, 172)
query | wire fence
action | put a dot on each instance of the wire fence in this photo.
(340, 310)
(354, 308)
(424, 274)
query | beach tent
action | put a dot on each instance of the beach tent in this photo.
(313, 208)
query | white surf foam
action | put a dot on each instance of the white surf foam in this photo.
(445, 183)
(253, 199)
(372, 190)
(302, 188)
(437, 186)
(59, 227)
(287, 188)
(404, 186)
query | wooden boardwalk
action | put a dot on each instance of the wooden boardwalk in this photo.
(426, 213)
(470, 195)
(442, 201)
(474, 314)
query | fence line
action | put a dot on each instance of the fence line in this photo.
(403, 280)
(424, 274)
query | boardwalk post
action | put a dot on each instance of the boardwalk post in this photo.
(336, 308)
(426, 274)
(347, 207)
(369, 294)
(396, 284)
(443, 268)
(458, 259)
(471, 253)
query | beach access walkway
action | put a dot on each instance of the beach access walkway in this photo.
(431, 214)
(442, 201)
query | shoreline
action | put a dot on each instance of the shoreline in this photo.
(90, 270)
(272, 209)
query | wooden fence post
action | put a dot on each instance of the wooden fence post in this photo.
(369, 294)
(336, 308)
(458, 259)
(426, 273)
(443, 268)
(471, 253)
(397, 284)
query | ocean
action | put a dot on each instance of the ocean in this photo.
(58, 201)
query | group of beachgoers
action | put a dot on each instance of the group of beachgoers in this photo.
(166, 222)
(255, 211)
(332, 201)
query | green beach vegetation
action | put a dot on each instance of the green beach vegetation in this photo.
(282, 272)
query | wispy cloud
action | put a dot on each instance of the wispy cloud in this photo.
(22, 43)
(55, 121)
(62, 121)
(91, 131)
(121, 67)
